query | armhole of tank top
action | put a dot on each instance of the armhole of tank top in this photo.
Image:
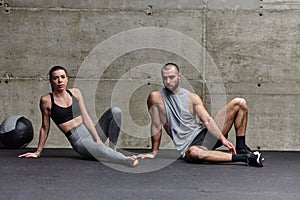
(51, 98)
(161, 91)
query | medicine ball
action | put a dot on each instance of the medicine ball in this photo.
(16, 132)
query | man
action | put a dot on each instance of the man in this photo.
(176, 109)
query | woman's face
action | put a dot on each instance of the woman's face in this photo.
(59, 80)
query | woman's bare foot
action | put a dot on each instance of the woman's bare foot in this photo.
(131, 161)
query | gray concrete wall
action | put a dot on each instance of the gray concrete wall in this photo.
(114, 49)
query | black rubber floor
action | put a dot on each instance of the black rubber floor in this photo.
(61, 174)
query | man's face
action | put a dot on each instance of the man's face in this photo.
(171, 78)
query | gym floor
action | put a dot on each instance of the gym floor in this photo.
(62, 174)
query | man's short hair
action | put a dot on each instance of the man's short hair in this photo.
(167, 66)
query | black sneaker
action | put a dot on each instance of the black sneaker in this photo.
(254, 159)
(244, 150)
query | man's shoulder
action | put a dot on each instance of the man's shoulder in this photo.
(154, 94)
(194, 98)
(188, 92)
(154, 97)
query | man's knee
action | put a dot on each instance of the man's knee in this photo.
(196, 153)
(241, 102)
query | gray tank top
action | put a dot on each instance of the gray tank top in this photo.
(183, 127)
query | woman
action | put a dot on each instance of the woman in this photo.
(68, 111)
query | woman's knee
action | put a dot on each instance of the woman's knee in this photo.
(116, 115)
(115, 110)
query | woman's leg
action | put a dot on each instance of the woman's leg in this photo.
(104, 153)
(108, 126)
(84, 144)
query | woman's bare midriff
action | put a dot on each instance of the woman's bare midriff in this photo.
(69, 125)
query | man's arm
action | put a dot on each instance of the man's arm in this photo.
(156, 124)
(209, 122)
(156, 129)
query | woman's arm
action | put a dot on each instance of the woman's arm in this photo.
(85, 116)
(44, 130)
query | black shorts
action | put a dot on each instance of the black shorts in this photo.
(205, 139)
(199, 139)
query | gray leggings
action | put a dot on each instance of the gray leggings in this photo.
(84, 144)
(108, 126)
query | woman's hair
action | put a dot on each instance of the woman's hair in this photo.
(53, 69)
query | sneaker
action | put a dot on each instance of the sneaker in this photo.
(254, 159)
(244, 150)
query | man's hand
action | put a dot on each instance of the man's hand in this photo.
(229, 145)
(147, 155)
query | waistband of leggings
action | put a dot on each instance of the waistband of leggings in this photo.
(69, 133)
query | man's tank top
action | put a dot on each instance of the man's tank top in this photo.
(60, 114)
(183, 127)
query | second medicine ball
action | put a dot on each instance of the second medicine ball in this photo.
(16, 132)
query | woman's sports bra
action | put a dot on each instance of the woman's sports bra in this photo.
(60, 114)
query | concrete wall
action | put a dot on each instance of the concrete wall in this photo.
(114, 49)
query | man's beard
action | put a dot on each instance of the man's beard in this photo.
(173, 88)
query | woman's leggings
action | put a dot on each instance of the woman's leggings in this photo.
(108, 126)
(84, 144)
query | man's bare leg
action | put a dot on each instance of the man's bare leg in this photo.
(234, 113)
(201, 154)
(198, 153)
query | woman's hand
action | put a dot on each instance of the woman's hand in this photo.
(30, 155)
(99, 141)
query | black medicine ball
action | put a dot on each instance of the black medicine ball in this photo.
(16, 132)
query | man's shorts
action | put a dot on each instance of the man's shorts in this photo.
(205, 139)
